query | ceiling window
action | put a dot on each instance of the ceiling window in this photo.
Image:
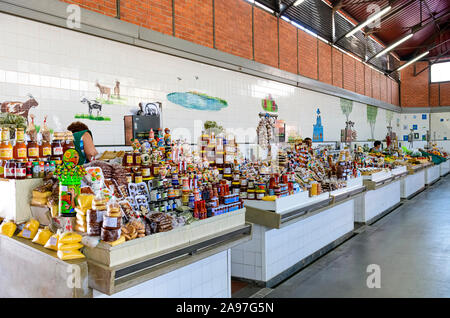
(440, 72)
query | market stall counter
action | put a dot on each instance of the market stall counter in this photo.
(383, 195)
(285, 241)
(413, 183)
(432, 174)
(32, 271)
(444, 168)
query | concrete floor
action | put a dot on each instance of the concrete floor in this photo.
(411, 245)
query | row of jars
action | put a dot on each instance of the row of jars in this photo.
(33, 150)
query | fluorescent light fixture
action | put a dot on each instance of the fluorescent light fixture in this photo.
(264, 7)
(413, 60)
(298, 2)
(369, 20)
(390, 47)
(285, 18)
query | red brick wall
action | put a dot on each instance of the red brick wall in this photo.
(337, 67)
(325, 63)
(266, 38)
(288, 47)
(106, 7)
(359, 77)
(194, 21)
(395, 93)
(434, 95)
(444, 94)
(234, 27)
(349, 72)
(375, 84)
(414, 91)
(152, 14)
(383, 88)
(368, 81)
(307, 54)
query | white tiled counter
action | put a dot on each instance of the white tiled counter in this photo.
(375, 202)
(444, 168)
(207, 278)
(432, 174)
(273, 254)
(411, 184)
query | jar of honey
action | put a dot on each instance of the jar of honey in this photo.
(137, 159)
(45, 149)
(20, 148)
(32, 150)
(127, 160)
(68, 144)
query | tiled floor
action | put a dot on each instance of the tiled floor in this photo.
(411, 246)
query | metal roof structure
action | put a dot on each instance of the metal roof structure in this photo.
(332, 20)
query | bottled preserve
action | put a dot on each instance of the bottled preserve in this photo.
(20, 148)
(57, 146)
(68, 144)
(32, 150)
(45, 149)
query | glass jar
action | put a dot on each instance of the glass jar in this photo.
(251, 195)
(137, 159)
(68, 144)
(10, 169)
(146, 171)
(35, 169)
(127, 159)
(32, 150)
(45, 149)
(21, 170)
(227, 168)
(138, 177)
(57, 148)
(20, 134)
(20, 150)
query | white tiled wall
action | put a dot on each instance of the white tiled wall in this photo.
(272, 251)
(60, 66)
(412, 183)
(377, 201)
(208, 278)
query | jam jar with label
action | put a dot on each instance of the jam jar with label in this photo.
(127, 159)
(32, 150)
(57, 148)
(21, 170)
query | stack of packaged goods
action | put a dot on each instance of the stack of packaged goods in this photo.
(69, 245)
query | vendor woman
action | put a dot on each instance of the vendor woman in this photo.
(376, 146)
(83, 141)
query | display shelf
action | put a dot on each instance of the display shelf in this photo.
(432, 174)
(377, 200)
(31, 271)
(275, 220)
(133, 250)
(378, 176)
(399, 171)
(113, 279)
(271, 256)
(283, 204)
(444, 168)
(19, 192)
(412, 184)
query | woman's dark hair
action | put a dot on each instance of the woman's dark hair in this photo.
(77, 126)
(377, 143)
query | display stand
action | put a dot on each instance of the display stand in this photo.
(412, 184)
(18, 192)
(283, 243)
(155, 265)
(32, 271)
(383, 196)
(432, 174)
(444, 168)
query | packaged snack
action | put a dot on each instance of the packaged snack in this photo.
(8, 228)
(111, 222)
(80, 228)
(81, 211)
(110, 235)
(30, 229)
(119, 241)
(69, 237)
(69, 247)
(113, 208)
(52, 242)
(85, 201)
(42, 236)
(68, 255)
